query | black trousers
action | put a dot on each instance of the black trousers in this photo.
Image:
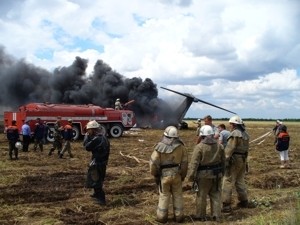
(26, 142)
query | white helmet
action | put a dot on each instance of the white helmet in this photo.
(92, 124)
(236, 119)
(18, 145)
(171, 132)
(206, 130)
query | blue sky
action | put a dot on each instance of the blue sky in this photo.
(242, 55)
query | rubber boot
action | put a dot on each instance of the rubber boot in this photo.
(178, 219)
(226, 208)
(243, 204)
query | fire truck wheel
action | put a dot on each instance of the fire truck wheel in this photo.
(50, 137)
(76, 133)
(116, 131)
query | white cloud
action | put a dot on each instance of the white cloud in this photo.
(240, 54)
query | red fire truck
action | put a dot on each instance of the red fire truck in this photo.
(114, 121)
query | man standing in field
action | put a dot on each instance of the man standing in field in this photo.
(57, 135)
(224, 134)
(236, 153)
(39, 132)
(208, 121)
(168, 164)
(68, 137)
(26, 134)
(12, 134)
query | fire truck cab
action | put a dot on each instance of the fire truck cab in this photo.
(114, 121)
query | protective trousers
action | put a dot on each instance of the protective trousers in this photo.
(235, 177)
(56, 145)
(98, 189)
(67, 147)
(209, 187)
(170, 186)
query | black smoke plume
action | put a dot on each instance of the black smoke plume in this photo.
(22, 83)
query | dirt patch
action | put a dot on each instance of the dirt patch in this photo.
(41, 189)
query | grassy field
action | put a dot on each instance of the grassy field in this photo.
(41, 189)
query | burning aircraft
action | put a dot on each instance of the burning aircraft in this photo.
(179, 111)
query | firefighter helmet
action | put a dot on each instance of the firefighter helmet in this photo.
(18, 145)
(236, 119)
(206, 130)
(92, 125)
(171, 132)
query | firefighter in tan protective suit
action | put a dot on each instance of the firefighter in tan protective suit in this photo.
(206, 171)
(236, 153)
(168, 164)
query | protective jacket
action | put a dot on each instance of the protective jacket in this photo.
(12, 133)
(237, 143)
(208, 160)
(99, 146)
(68, 132)
(169, 157)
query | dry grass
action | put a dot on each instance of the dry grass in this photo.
(38, 189)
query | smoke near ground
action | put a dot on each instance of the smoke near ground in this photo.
(22, 83)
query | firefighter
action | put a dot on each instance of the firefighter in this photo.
(39, 132)
(118, 104)
(168, 165)
(236, 153)
(57, 135)
(68, 137)
(206, 171)
(95, 141)
(12, 134)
